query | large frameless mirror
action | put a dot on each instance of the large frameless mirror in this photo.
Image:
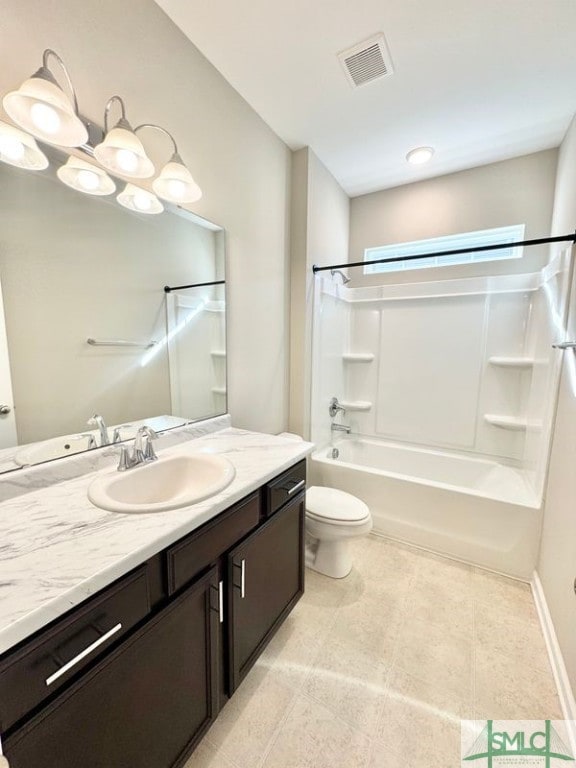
(87, 326)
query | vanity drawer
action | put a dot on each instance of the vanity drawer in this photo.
(187, 558)
(285, 487)
(44, 664)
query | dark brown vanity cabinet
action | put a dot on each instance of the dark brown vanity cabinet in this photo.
(144, 705)
(171, 642)
(266, 580)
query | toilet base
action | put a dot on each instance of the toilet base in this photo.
(330, 558)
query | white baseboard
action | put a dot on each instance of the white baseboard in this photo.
(565, 693)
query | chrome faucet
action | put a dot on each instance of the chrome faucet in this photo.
(143, 450)
(98, 421)
(340, 428)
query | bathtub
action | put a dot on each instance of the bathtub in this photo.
(472, 509)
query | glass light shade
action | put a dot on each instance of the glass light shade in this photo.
(122, 152)
(175, 183)
(419, 155)
(139, 200)
(43, 109)
(85, 177)
(19, 149)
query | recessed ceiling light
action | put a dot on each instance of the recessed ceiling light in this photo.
(419, 155)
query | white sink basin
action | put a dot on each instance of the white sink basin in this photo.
(169, 483)
(46, 450)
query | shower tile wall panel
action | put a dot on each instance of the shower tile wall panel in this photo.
(546, 327)
(362, 378)
(330, 340)
(429, 370)
(503, 390)
(194, 372)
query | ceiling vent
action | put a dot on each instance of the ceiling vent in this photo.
(367, 61)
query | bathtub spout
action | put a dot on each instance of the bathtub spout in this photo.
(340, 428)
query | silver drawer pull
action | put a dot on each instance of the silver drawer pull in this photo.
(297, 487)
(83, 654)
(221, 601)
(243, 579)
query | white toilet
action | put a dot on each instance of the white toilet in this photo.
(333, 517)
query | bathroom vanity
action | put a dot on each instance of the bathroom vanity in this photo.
(133, 676)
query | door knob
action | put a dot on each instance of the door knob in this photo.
(4, 409)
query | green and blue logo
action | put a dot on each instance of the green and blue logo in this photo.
(534, 741)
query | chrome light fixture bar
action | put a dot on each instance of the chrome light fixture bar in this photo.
(41, 107)
(121, 151)
(19, 148)
(175, 182)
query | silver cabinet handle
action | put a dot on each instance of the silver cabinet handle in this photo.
(83, 654)
(221, 601)
(297, 487)
(4, 410)
(565, 345)
(243, 579)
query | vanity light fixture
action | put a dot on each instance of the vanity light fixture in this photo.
(139, 200)
(19, 148)
(41, 107)
(85, 177)
(420, 155)
(175, 182)
(121, 151)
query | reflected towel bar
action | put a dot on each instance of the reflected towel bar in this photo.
(120, 343)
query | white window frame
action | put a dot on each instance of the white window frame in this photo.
(510, 234)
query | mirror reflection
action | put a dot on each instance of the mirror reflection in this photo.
(86, 327)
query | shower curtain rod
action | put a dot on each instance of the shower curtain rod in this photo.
(540, 241)
(170, 288)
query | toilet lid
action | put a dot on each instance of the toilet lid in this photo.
(332, 504)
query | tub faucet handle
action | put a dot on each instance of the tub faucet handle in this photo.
(335, 408)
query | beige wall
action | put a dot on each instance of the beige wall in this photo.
(133, 49)
(557, 564)
(320, 230)
(517, 191)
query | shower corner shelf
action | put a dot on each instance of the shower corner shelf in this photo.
(511, 362)
(356, 405)
(358, 357)
(514, 423)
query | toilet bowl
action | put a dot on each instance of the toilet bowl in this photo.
(333, 517)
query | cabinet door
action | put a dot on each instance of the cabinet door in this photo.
(265, 580)
(144, 706)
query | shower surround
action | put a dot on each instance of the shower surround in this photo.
(449, 389)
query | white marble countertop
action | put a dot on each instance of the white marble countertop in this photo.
(57, 548)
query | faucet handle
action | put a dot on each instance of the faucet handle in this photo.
(116, 435)
(125, 461)
(143, 448)
(149, 452)
(335, 407)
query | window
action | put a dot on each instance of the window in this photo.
(448, 243)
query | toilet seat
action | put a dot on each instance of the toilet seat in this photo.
(335, 507)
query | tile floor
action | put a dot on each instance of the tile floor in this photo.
(376, 670)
